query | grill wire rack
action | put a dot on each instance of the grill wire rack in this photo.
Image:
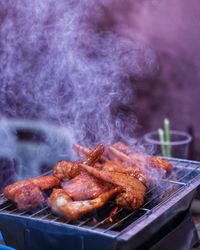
(183, 182)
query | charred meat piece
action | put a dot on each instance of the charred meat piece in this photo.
(68, 170)
(133, 190)
(63, 205)
(85, 187)
(27, 193)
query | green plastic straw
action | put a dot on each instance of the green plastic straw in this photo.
(167, 136)
(161, 136)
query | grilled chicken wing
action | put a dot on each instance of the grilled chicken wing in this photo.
(68, 170)
(111, 165)
(84, 152)
(133, 192)
(85, 187)
(121, 152)
(125, 161)
(27, 193)
(62, 204)
(122, 167)
(78, 184)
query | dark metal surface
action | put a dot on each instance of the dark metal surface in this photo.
(40, 229)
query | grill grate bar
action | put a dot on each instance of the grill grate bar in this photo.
(24, 212)
(4, 208)
(55, 219)
(46, 215)
(12, 211)
(121, 221)
(189, 173)
(106, 219)
(38, 212)
(83, 222)
(174, 182)
(145, 209)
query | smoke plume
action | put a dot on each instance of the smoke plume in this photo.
(61, 61)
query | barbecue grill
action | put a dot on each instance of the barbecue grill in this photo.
(164, 221)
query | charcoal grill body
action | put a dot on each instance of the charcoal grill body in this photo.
(31, 234)
(148, 228)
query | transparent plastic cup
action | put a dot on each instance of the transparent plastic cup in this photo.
(179, 144)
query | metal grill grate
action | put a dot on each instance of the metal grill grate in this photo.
(184, 174)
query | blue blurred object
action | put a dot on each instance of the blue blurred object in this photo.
(3, 247)
(1, 237)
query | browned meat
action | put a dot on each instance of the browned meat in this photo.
(84, 152)
(120, 146)
(121, 151)
(94, 155)
(27, 193)
(85, 187)
(62, 204)
(139, 159)
(45, 182)
(123, 167)
(81, 151)
(28, 196)
(125, 161)
(68, 170)
(133, 192)
(157, 162)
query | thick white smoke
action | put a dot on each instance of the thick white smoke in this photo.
(58, 62)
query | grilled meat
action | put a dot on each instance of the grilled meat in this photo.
(123, 167)
(122, 160)
(133, 190)
(80, 184)
(68, 170)
(84, 152)
(27, 193)
(85, 187)
(45, 182)
(94, 155)
(62, 204)
(121, 152)
(26, 197)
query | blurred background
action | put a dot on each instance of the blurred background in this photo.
(171, 28)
